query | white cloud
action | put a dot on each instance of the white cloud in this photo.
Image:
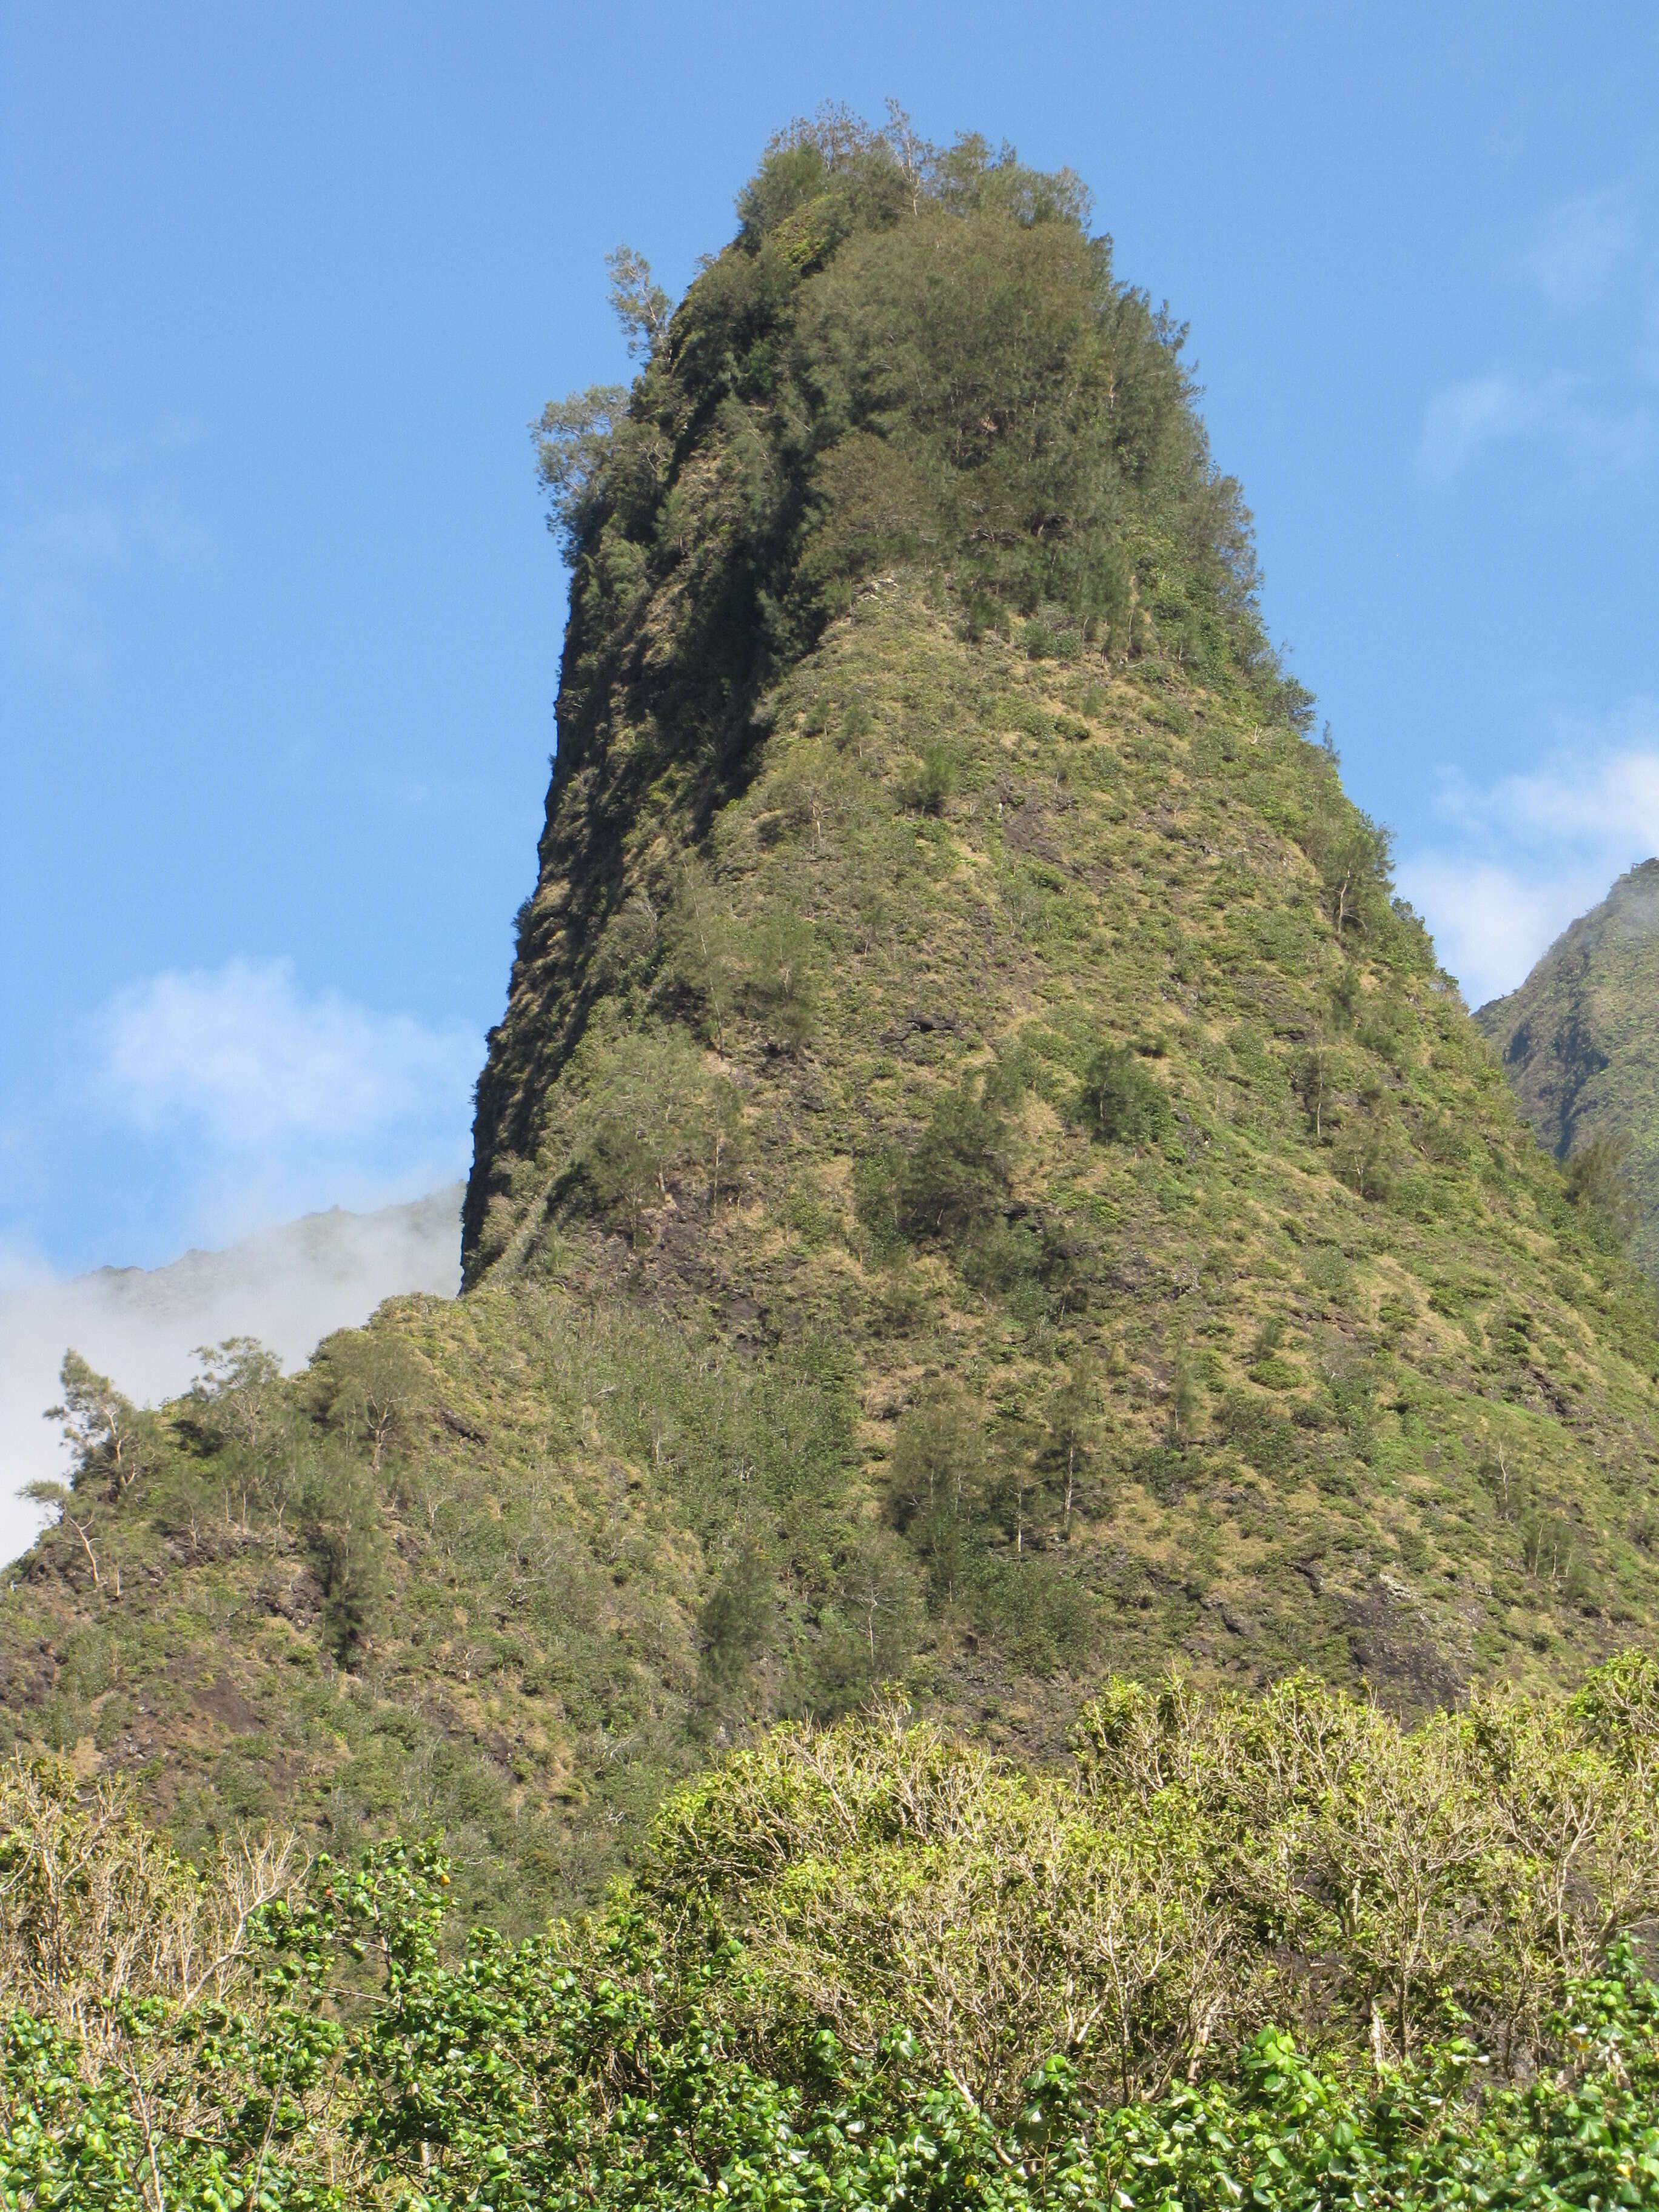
(1523, 856)
(1490, 923)
(1599, 785)
(1485, 410)
(1585, 252)
(1579, 245)
(290, 1287)
(243, 1055)
(241, 1099)
(1468, 416)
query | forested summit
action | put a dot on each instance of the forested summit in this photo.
(906, 355)
(908, 358)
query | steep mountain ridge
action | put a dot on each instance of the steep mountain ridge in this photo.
(979, 1182)
(1577, 1042)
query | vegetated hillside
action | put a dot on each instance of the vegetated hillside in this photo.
(1579, 1041)
(979, 1183)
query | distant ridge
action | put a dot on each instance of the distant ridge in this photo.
(345, 1253)
(1579, 1041)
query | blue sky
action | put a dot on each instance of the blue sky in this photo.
(280, 288)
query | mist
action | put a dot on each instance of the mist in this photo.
(290, 1287)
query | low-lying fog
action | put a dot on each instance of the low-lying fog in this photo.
(290, 1287)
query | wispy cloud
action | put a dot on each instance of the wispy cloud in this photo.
(243, 1055)
(1468, 416)
(1597, 782)
(114, 501)
(54, 565)
(111, 448)
(1586, 253)
(1579, 246)
(1520, 858)
(1486, 409)
(424, 795)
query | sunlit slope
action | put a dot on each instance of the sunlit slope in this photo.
(1332, 1367)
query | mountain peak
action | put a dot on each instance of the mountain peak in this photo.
(980, 1181)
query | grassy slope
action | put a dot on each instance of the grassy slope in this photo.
(1578, 1040)
(646, 1490)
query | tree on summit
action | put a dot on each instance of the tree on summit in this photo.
(573, 443)
(641, 306)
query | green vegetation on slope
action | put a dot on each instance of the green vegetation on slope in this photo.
(874, 1967)
(1577, 1044)
(906, 360)
(979, 1184)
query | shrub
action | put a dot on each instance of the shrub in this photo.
(1598, 1185)
(937, 1481)
(1348, 1381)
(776, 955)
(1258, 1433)
(955, 1174)
(655, 1119)
(1121, 1101)
(934, 781)
(734, 1626)
(877, 1179)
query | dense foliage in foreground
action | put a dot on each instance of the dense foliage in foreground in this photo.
(871, 1967)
